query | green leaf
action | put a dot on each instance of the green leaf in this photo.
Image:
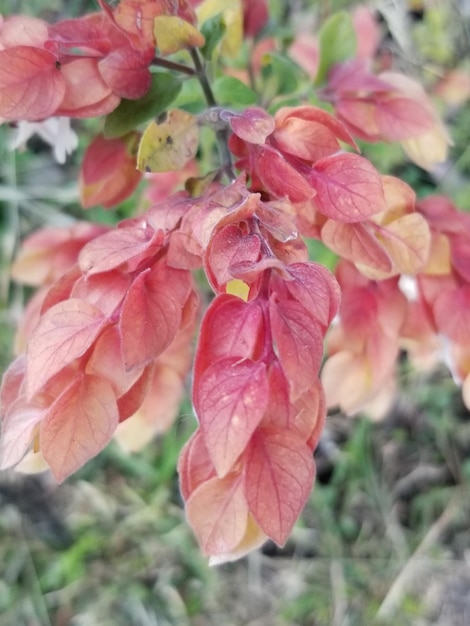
(337, 43)
(281, 75)
(131, 113)
(213, 30)
(230, 90)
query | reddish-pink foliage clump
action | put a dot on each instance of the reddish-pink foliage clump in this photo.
(106, 343)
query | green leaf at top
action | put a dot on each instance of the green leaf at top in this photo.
(230, 90)
(337, 43)
(213, 30)
(131, 113)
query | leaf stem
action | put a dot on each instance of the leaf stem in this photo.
(173, 65)
(222, 134)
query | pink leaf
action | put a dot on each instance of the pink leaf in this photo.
(31, 84)
(316, 288)
(64, 333)
(105, 291)
(452, 314)
(116, 248)
(279, 409)
(230, 328)
(401, 118)
(230, 401)
(309, 133)
(78, 425)
(280, 178)
(218, 513)
(253, 125)
(194, 465)
(152, 312)
(310, 419)
(86, 93)
(230, 250)
(349, 188)
(126, 71)
(279, 475)
(299, 343)
(12, 382)
(18, 429)
(356, 243)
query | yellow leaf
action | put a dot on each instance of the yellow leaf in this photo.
(233, 18)
(168, 143)
(174, 34)
(238, 288)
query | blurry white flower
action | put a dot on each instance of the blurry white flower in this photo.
(56, 131)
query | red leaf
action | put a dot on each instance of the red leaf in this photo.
(89, 34)
(230, 401)
(299, 343)
(230, 328)
(64, 333)
(31, 84)
(460, 251)
(106, 362)
(152, 312)
(349, 188)
(280, 178)
(12, 381)
(132, 400)
(106, 290)
(18, 430)
(400, 118)
(108, 173)
(86, 93)
(309, 133)
(356, 243)
(218, 513)
(78, 425)
(229, 252)
(452, 313)
(126, 71)
(194, 465)
(279, 409)
(310, 419)
(22, 30)
(252, 125)
(117, 247)
(316, 288)
(279, 475)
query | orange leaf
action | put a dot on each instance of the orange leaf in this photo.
(218, 513)
(78, 425)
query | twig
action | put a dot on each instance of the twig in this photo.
(409, 572)
(340, 599)
(222, 134)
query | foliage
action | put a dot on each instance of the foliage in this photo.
(268, 154)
